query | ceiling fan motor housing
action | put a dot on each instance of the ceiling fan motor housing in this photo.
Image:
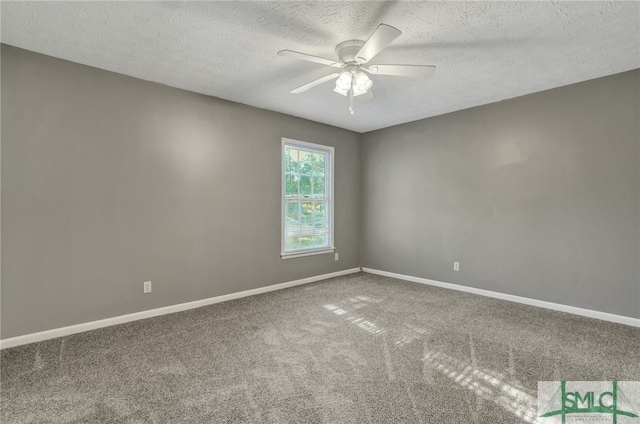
(347, 51)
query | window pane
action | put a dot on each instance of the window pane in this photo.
(292, 217)
(291, 185)
(305, 159)
(320, 240)
(318, 163)
(306, 242)
(306, 217)
(321, 215)
(287, 158)
(290, 160)
(291, 172)
(305, 186)
(318, 187)
(292, 243)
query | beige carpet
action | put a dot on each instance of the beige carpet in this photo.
(354, 349)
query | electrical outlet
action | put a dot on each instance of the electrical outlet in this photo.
(337, 256)
(146, 287)
(456, 266)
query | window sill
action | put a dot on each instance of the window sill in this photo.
(303, 253)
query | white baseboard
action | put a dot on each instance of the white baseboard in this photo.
(620, 319)
(79, 328)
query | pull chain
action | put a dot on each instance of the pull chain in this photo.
(351, 101)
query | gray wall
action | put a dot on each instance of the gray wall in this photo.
(536, 196)
(109, 181)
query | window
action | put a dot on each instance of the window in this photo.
(307, 199)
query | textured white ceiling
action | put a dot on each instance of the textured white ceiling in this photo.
(484, 51)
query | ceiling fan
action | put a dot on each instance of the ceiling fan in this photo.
(352, 57)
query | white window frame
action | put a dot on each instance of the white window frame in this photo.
(329, 190)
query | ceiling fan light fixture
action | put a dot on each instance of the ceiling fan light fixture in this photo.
(343, 83)
(361, 83)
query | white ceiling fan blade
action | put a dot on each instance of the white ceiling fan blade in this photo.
(314, 83)
(310, 58)
(403, 70)
(381, 37)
